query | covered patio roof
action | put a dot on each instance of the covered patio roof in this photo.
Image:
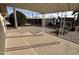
(46, 7)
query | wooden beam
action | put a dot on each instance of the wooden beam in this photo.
(3, 9)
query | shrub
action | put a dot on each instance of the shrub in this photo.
(21, 19)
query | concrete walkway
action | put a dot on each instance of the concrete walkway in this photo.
(25, 43)
(72, 36)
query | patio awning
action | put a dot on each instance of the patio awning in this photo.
(46, 7)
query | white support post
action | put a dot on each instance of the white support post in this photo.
(61, 25)
(5, 25)
(15, 17)
(43, 23)
(32, 15)
(32, 18)
(74, 20)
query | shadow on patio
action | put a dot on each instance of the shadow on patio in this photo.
(32, 46)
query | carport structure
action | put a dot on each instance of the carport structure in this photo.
(42, 8)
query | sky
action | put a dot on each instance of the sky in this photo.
(31, 14)
(24, 11)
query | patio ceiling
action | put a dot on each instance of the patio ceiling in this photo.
(46, 7)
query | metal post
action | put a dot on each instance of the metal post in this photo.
(6, 21)
(15, 17)
(74, 20)
(61, 25)
(32, 15)
(5, 27)
(32, 18)
(43, 23)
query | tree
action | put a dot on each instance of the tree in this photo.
(77, 21)
(21, 19)
(76, 11)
